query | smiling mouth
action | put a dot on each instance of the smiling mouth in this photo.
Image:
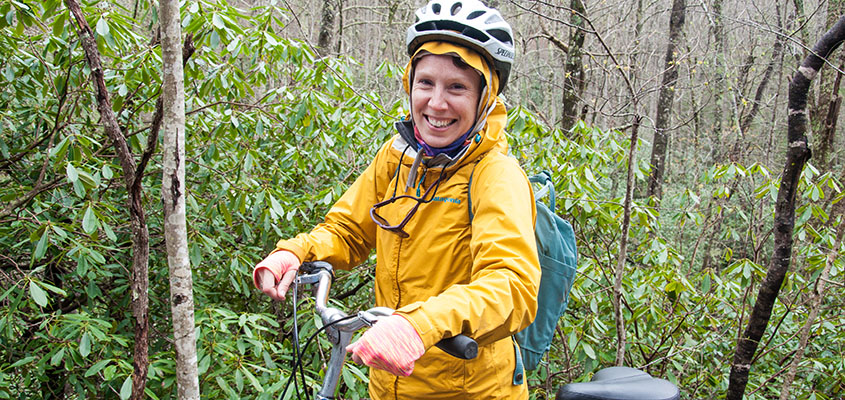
(440, 123)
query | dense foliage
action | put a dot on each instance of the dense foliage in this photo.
(275, 134)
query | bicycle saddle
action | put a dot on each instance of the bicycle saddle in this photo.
(620, 383)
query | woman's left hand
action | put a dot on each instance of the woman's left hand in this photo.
(392, 344)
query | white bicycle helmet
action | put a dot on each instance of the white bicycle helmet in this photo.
(469, 23)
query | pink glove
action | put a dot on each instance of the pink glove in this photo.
(274, 274)
(392, 344)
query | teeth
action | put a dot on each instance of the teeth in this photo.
(440, 123)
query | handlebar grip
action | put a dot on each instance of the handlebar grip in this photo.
(459, 346)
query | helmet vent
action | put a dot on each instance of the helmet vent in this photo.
(436, 8)
(475, 14)
(502, 35)
(494, 18)
(456, 8)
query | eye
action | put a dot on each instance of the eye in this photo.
(424, 81)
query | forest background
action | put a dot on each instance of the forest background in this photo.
(286, 102)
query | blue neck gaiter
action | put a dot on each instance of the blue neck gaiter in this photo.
(451, 150)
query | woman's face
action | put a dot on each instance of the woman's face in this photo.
(444, 99)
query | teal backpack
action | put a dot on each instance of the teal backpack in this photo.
(558, 261)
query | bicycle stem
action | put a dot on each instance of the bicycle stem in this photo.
(337, 331)
(340, 327)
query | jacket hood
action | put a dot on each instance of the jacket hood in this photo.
(491, 118)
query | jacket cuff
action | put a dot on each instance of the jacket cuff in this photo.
(421, 323)
(274, 269)
(292, 247)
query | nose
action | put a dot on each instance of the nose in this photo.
(437, 100)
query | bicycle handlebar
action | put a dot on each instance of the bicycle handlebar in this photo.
(321, 273)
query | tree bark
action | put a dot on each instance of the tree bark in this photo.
(720, 80)
(827, 131)
(140, 233)
(573, 80)
(758, 95)
(665, 100)
(801, 20)
(825, 94)
(621, 337)
(173, 196)
(745, 122)
(797, 154)
(324, 40)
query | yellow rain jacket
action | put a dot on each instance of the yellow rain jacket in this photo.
(449, 276)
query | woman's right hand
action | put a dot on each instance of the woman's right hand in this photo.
(274, 274)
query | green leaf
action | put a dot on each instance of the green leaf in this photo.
(23, 361)
(705, 283)
(72, 173)
(109, 232)
(61, 147)
(277, 208)
(87, 179)
(38, 294)
(85, 345)
(41, 247)
(108, 373)
(589, 351)
(214, 39)
(232, 46)
(204, 363)
(252, 380)
(663, 256)
(89, 221)
(217, 21)
(107, 172)
(239, 379)
(53, 288)
(59, 24)
(102, 27)
(225, 386)
(57, 358)
(97, 367)
(126, 389)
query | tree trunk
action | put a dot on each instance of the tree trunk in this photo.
(797, 154)
(573, 80)
(720, 80)
(827, 130)
(173, 196)
(745, 122)
(665, 100)
(324, 40)
(825, 95)
(621, 337)
(339, 42)
(131, 178)
(800, 28)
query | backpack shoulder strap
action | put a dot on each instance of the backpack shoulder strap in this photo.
(544, 178)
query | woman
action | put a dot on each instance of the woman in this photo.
(444, 275)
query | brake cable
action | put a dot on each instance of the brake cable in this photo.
(298, 352)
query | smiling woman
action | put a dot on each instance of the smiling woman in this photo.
(443, 273)
(444, 99)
